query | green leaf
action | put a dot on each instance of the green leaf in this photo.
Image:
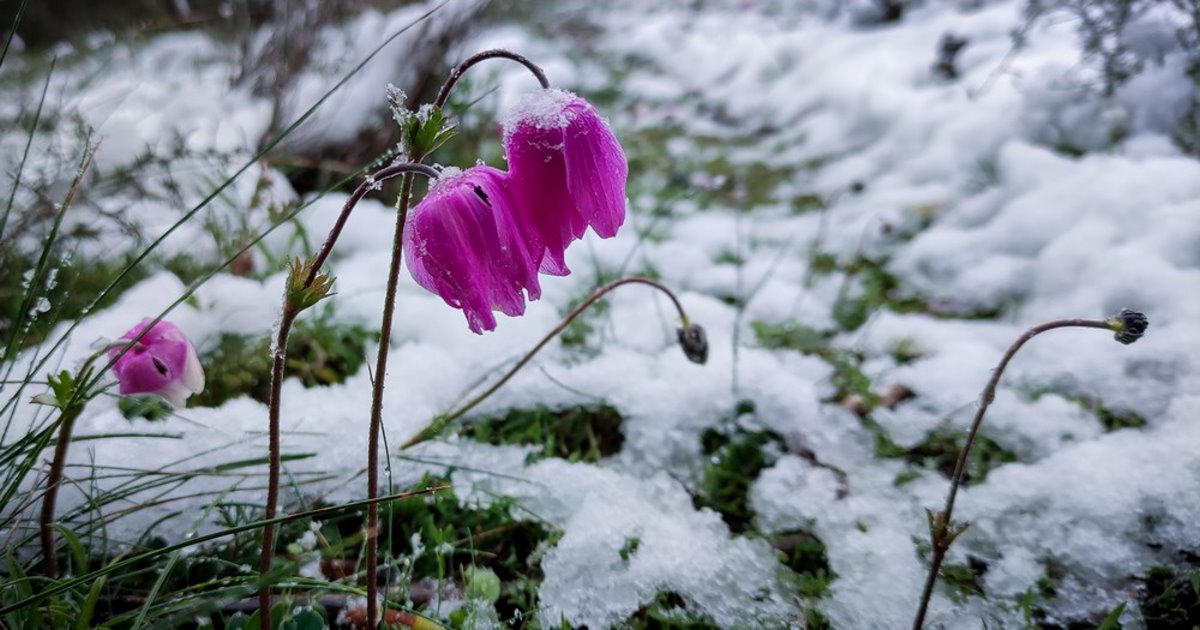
(78, 554)
(86, 610)
(305, 618)
(1111, 621)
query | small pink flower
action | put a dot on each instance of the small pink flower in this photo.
(568, 172)
(463, 243)
(163, 362)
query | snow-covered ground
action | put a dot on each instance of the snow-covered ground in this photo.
(962, 186)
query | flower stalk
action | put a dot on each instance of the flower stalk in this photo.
(1127, 326)
(306, 286)
(691, 338)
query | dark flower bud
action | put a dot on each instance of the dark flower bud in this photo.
(1128, 325)
(694, 343)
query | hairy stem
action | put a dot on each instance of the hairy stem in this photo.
(290, 312)
(369, 183)
(440, 423)
(943, 531)
(385, 333)
(497, 53)
(268, 540)
(53, 480)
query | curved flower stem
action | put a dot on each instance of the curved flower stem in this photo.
(385, 333)
(71, 409)
(53, 480)
(279, 359)
(942, 530)
(369, 183)
(440, 423)
(497, 53)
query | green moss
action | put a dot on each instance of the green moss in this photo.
(320, 352)
(576, 434)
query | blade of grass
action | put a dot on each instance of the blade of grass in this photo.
(65, 585)
(214, 194)
(11, 34)
(37, 117)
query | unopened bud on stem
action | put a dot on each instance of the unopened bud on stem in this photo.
(694, 342)
(1128, 325)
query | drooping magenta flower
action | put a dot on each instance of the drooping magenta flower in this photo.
(568, 172)
(163, 363)
(463, 242)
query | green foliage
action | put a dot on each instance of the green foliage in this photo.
(576, 434)
(150, 408)
(805, 554)
(577, 332)
(868, 288)
(73, 293)
(320, 352)
(940, 448)
(1171, 599)
(1117, 419)
(629, 548)
(733, 462)
(791, 336)
(964, 580)
(484, 544)
(668, 611)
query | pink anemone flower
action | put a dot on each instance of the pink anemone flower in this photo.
(568, 173)
(463, 242)
(163, 363)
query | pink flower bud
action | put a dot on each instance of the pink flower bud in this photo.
(163, 363)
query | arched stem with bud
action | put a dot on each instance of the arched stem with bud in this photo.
(1128, 327)
(389, 305)
(691, 338)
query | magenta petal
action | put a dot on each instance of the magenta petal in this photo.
(568, 172)
(464, 244)
(596, 171)
(162, 362)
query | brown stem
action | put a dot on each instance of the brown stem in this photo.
(435, 428)
(461, 68)
(385, 333)
(53, 480)
(268, 541)
(943, 531)
(290, 312)
(368, 183)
